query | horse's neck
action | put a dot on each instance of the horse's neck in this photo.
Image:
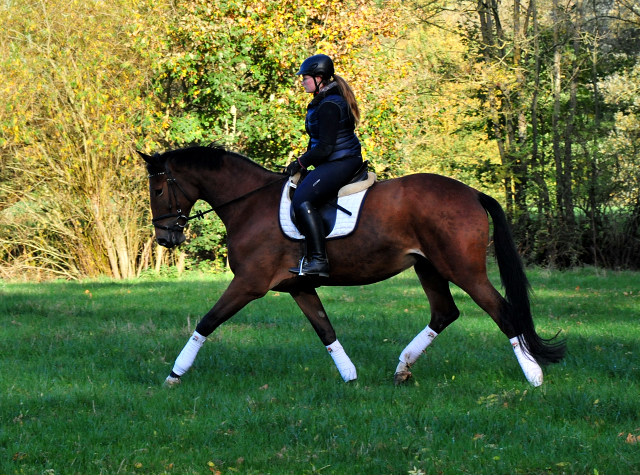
(226, 188)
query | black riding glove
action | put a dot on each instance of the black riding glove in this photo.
(293, 168)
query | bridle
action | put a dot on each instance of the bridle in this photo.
(181, 220)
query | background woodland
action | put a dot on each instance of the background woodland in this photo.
(534, 102)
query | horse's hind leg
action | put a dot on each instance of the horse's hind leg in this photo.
(489, 299)
(443, 313)
(311, 306)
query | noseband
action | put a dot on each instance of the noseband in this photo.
(182, 220)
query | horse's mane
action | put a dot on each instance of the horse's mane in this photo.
(202, 157)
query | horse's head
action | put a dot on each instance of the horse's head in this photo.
(170, 200)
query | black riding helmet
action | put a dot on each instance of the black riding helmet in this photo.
(317, 65)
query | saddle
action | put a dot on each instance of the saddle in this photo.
(362, 174)
(339, 215)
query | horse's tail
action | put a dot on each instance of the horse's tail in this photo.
(517, 309)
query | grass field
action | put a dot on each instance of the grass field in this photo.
(82, 366)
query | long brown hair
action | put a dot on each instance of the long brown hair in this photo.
(349, 96)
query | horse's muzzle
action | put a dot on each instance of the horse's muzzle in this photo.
(171, 240)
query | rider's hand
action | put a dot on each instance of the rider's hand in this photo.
(293, 168)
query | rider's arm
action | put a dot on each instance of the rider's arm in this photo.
(328, 121)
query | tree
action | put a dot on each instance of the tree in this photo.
(77, 99)
(230, 75)
(537, 69)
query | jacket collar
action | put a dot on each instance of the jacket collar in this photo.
(329, 89)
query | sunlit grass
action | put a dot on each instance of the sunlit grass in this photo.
(82, 366)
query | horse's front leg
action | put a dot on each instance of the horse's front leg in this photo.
(311, 306)
(237, 295)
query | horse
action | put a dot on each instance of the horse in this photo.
(435, 224)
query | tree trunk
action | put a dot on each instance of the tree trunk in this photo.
(488, 14)
(145, 256)
(570, 130)
(159, 255)
(594, 173)
(106, 240)
(121, 249)
(557, 72)
(521, 168)
(537, 164)
(180, 261)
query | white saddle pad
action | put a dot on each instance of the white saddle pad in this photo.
(344, 226)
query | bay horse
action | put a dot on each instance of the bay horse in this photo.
(437, 225)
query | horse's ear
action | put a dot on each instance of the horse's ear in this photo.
(147, 158)
(155, 160)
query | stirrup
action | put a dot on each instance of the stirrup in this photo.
(298, 270)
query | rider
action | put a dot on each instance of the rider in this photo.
(334, 152)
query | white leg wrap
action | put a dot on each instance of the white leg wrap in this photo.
(342, 361)
(531, 369)
(188, 354)
(414, 349)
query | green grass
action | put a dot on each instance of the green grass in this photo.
(82, 365)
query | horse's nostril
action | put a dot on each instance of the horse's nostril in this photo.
(164, 242)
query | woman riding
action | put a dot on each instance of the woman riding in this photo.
(334, 151)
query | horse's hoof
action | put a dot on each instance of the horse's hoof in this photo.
(171, 382)
(535, 379)
(349, 373)
(401, 377)
(350, 377)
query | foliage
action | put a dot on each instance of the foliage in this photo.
(533, 102)
(437, 112)
(622, 90)
(265, 397)
(621, 149)
(206, 241)
(532, 77)
(230, 76)
(75, 101)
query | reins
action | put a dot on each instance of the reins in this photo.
(182, 220)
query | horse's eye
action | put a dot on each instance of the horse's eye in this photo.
(159, 192)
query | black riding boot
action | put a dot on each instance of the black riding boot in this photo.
(310, 222)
